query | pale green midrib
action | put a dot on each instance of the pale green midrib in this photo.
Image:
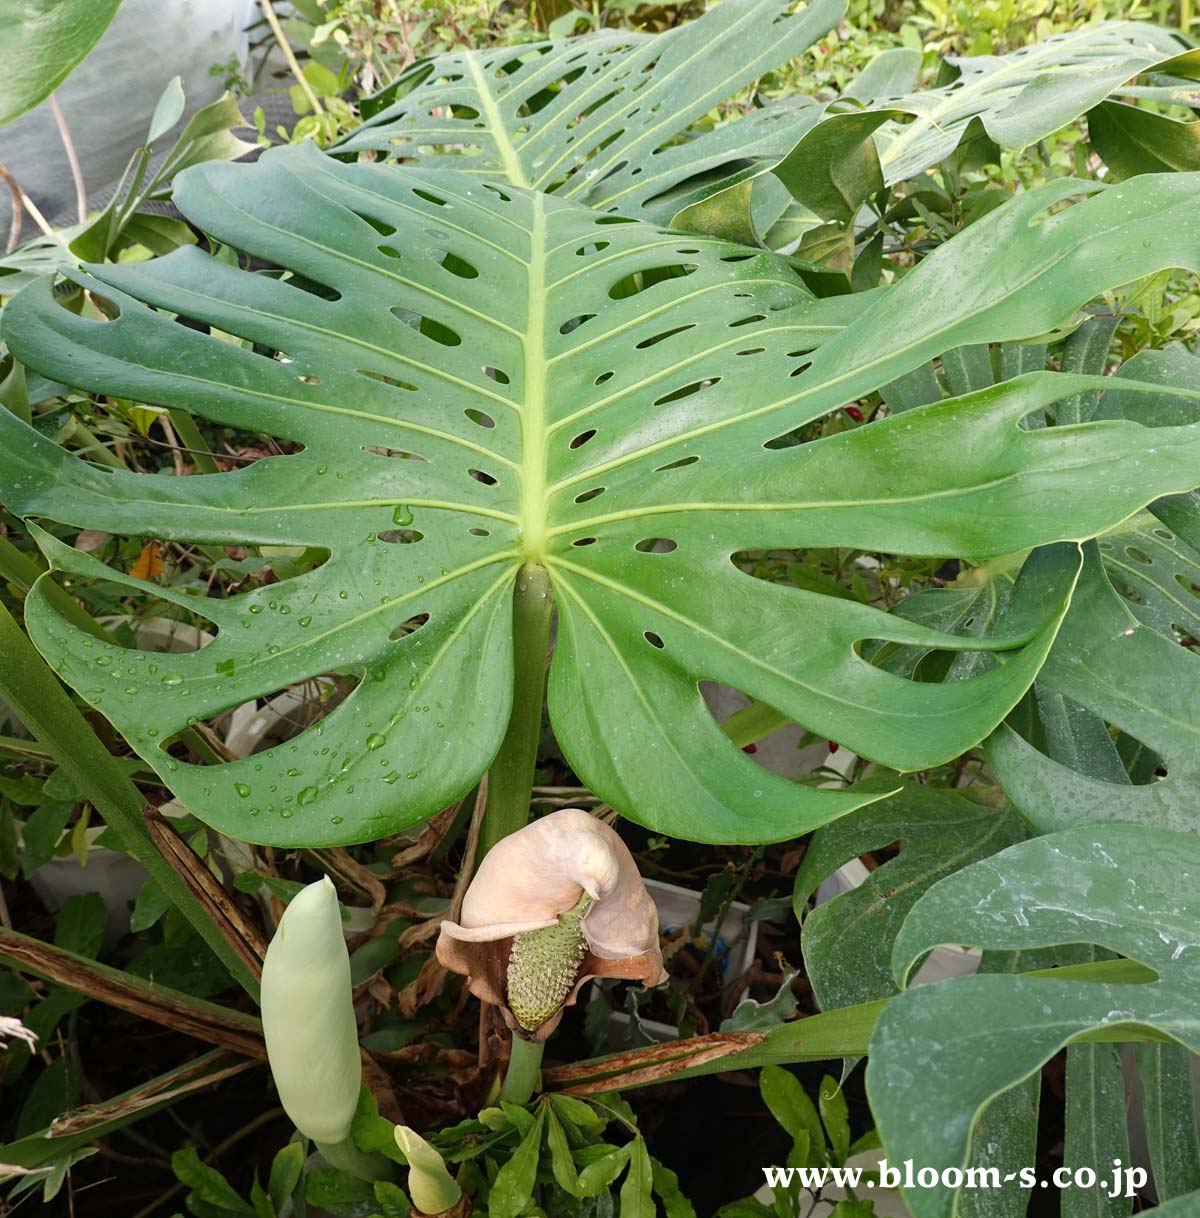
(495, 121)
(534, 438)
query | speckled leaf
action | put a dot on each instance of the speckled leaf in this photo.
(946, 1050)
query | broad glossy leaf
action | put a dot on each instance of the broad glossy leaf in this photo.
(848, 940)
(480, 377)
(597, 118)
(41, 43)
(946, 1050)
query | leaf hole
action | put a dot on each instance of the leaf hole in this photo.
(587, 496)
(686, 391)
(580, 542)
(479, 417)
(401, 537)
(659, 338)
(482, 476)
(476, 531)
(454, 264)
(496, 374)
(429, 197)
(592, 247)
(381, 450)
(680, 464)
(573, 323)
(584, 436)
(384, 379)
(656, 545)
(604, 376)
(653, 639)
(409, 626)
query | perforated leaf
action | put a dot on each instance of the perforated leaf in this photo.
(480, 377)
(948, 1049)
(585, 118)
(1025, 95)
(1126, 674)
(848, 940)
(596, 118)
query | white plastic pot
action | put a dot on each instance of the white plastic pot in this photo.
(678, 907)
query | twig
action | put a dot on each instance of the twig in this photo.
(68, 143)
(244, 938)
(280, 37)
(18, 209)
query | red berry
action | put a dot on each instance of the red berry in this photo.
(855, 413)
(833, 748)
(750, 748)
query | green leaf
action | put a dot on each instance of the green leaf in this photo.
(41, 833)
(752, 1016)
(848, 940)
(1096, 1132)
(835, 1116)
(10, 863)
(1169, 1109)
(790, 1106)
(338, 1192)
(207, 1183)
(1128, 675)
(1021, 97)
(150, 905)
(632, 157)
(513, 1186)
(635, 1197)
(666, 1185)
(639, 624)
(41, 44)
(260, 1202)
(1132, 140)
(285, 1174)
(168, 110)
(392, 1199)
(597, 1177)
(80, 924)
(946, 1050)
(561, 1162)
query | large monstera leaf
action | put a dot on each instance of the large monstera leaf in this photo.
(596, 118)
(481, 377)
(600, 118)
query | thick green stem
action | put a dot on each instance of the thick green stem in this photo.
(510, 779)
(46, 709)
(345, 1156)
(524, 1070)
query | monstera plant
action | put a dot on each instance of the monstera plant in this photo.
(546, 363)
(485, 382)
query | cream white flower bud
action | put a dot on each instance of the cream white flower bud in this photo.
(430, 1186)
(308, 1016)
